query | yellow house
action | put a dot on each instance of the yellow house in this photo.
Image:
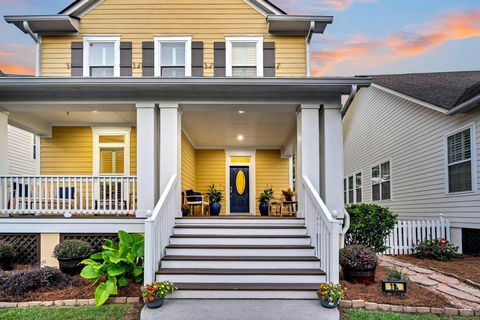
(139, 105)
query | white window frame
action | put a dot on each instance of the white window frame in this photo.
(354, 186)
(87, 40)
(379, 164)
(158, 40)
(97, 132)
(228, 51)
(473, 158)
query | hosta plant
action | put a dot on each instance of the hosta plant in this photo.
(117, 265)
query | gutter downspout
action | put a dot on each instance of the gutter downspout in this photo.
(37, 39)
(465, 105)
(309, 38)
(349, 100)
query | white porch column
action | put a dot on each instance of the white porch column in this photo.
(308, 148)
(3, 144)
(170, 146)
(331, 185)
(147, 160)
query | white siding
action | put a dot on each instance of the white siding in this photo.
(379, 127)
(20, 152)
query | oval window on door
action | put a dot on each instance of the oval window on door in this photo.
(240, 182)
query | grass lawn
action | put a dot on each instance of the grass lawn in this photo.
(377, 315)
(106, 312)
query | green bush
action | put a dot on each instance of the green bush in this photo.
(72, 249)
(357, 257)
(116, 265)
(369, 225)
(6, 250)
(437, 249)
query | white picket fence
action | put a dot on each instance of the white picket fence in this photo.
(408, 233)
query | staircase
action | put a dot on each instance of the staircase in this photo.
(241, 257)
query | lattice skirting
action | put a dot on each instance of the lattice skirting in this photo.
(471, 241)
(95, 240)
(27, 247)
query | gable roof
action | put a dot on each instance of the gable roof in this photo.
(446, 90)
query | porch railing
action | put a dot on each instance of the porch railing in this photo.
(68, 195)
(158, 229)
(324, 230)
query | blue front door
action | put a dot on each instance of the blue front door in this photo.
(239, 191)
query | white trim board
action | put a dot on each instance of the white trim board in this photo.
(252, 176)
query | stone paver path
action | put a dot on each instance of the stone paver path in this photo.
(458, 294)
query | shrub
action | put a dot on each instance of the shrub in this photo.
(396, 274)
(357, 257)
(19, 283)
(6, 250)
(72, 249)
(437, 249)
(116, 265)
(369, 225)
(157, 290)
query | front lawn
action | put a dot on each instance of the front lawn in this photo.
(377, 315)
(106, 312)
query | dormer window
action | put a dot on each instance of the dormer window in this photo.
(244, 57)
(101, 56)
(173, 57)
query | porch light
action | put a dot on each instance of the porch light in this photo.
(94, 111)
(239, 137)
(241, 111)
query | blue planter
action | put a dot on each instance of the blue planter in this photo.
(328, 304)
(185, 212)
(263, 207)
(157, 303)
(215, 208)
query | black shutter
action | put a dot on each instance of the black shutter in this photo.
(76, 65)
(197, 59)
(125, 59)
(148, 59)
(269, 59)
(219, 59)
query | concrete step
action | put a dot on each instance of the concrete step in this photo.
(240, 229)
(236, 262)
(243, 219)
(209, 239)
(216, 275)
(239, 250)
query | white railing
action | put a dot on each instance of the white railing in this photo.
(68, 195)
(158, 229)
(324, 231)
(408, 233)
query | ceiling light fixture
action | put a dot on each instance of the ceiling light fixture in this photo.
(241, 111)
(95, 111)
(239, 137)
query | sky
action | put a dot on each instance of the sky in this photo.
(366, 37)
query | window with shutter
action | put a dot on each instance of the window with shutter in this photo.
(101, 56)
(173, 57)
(459, 156)
(244, 57)
(381, 182)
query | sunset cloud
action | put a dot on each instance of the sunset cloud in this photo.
(398, 45)
(302, 6)
(17, 58)
(16, 69)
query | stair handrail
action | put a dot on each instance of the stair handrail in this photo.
(158, 229)
(323, 229)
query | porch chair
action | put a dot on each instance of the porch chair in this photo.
(193, 199)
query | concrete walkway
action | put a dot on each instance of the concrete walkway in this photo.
(204, 309)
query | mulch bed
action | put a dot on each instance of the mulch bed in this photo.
(464, 266)
(417, 296)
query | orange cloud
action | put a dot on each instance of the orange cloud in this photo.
(313, 6)
(394, 46)
(16, 69)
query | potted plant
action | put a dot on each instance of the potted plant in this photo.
(215, 197)
(7, 254)
(330, 294)
(288, 194)
(154, 294)
(185, 210)
(358, 264)
(70, 253)
(265, 197)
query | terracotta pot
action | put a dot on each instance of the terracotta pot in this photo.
(71, 266)
(157, 303)
(6, 263)
(363, 276)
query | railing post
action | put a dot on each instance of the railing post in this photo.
(334, 263)
(149, 254)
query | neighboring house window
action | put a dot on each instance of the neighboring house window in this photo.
(101, 56)
(459, 161)
(381, 182)
(244, 56)
(34, 147)
(173, 57)
(358, 187)
(350, 189)
(345, 191)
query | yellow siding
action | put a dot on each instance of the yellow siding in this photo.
(188, 164)
(271, 170)
(205, 20)
(133, 151)
(210, 165)
(68, 152)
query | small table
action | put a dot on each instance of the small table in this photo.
(290, 206)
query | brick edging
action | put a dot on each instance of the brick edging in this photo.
(68, 303)
(361, 304)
